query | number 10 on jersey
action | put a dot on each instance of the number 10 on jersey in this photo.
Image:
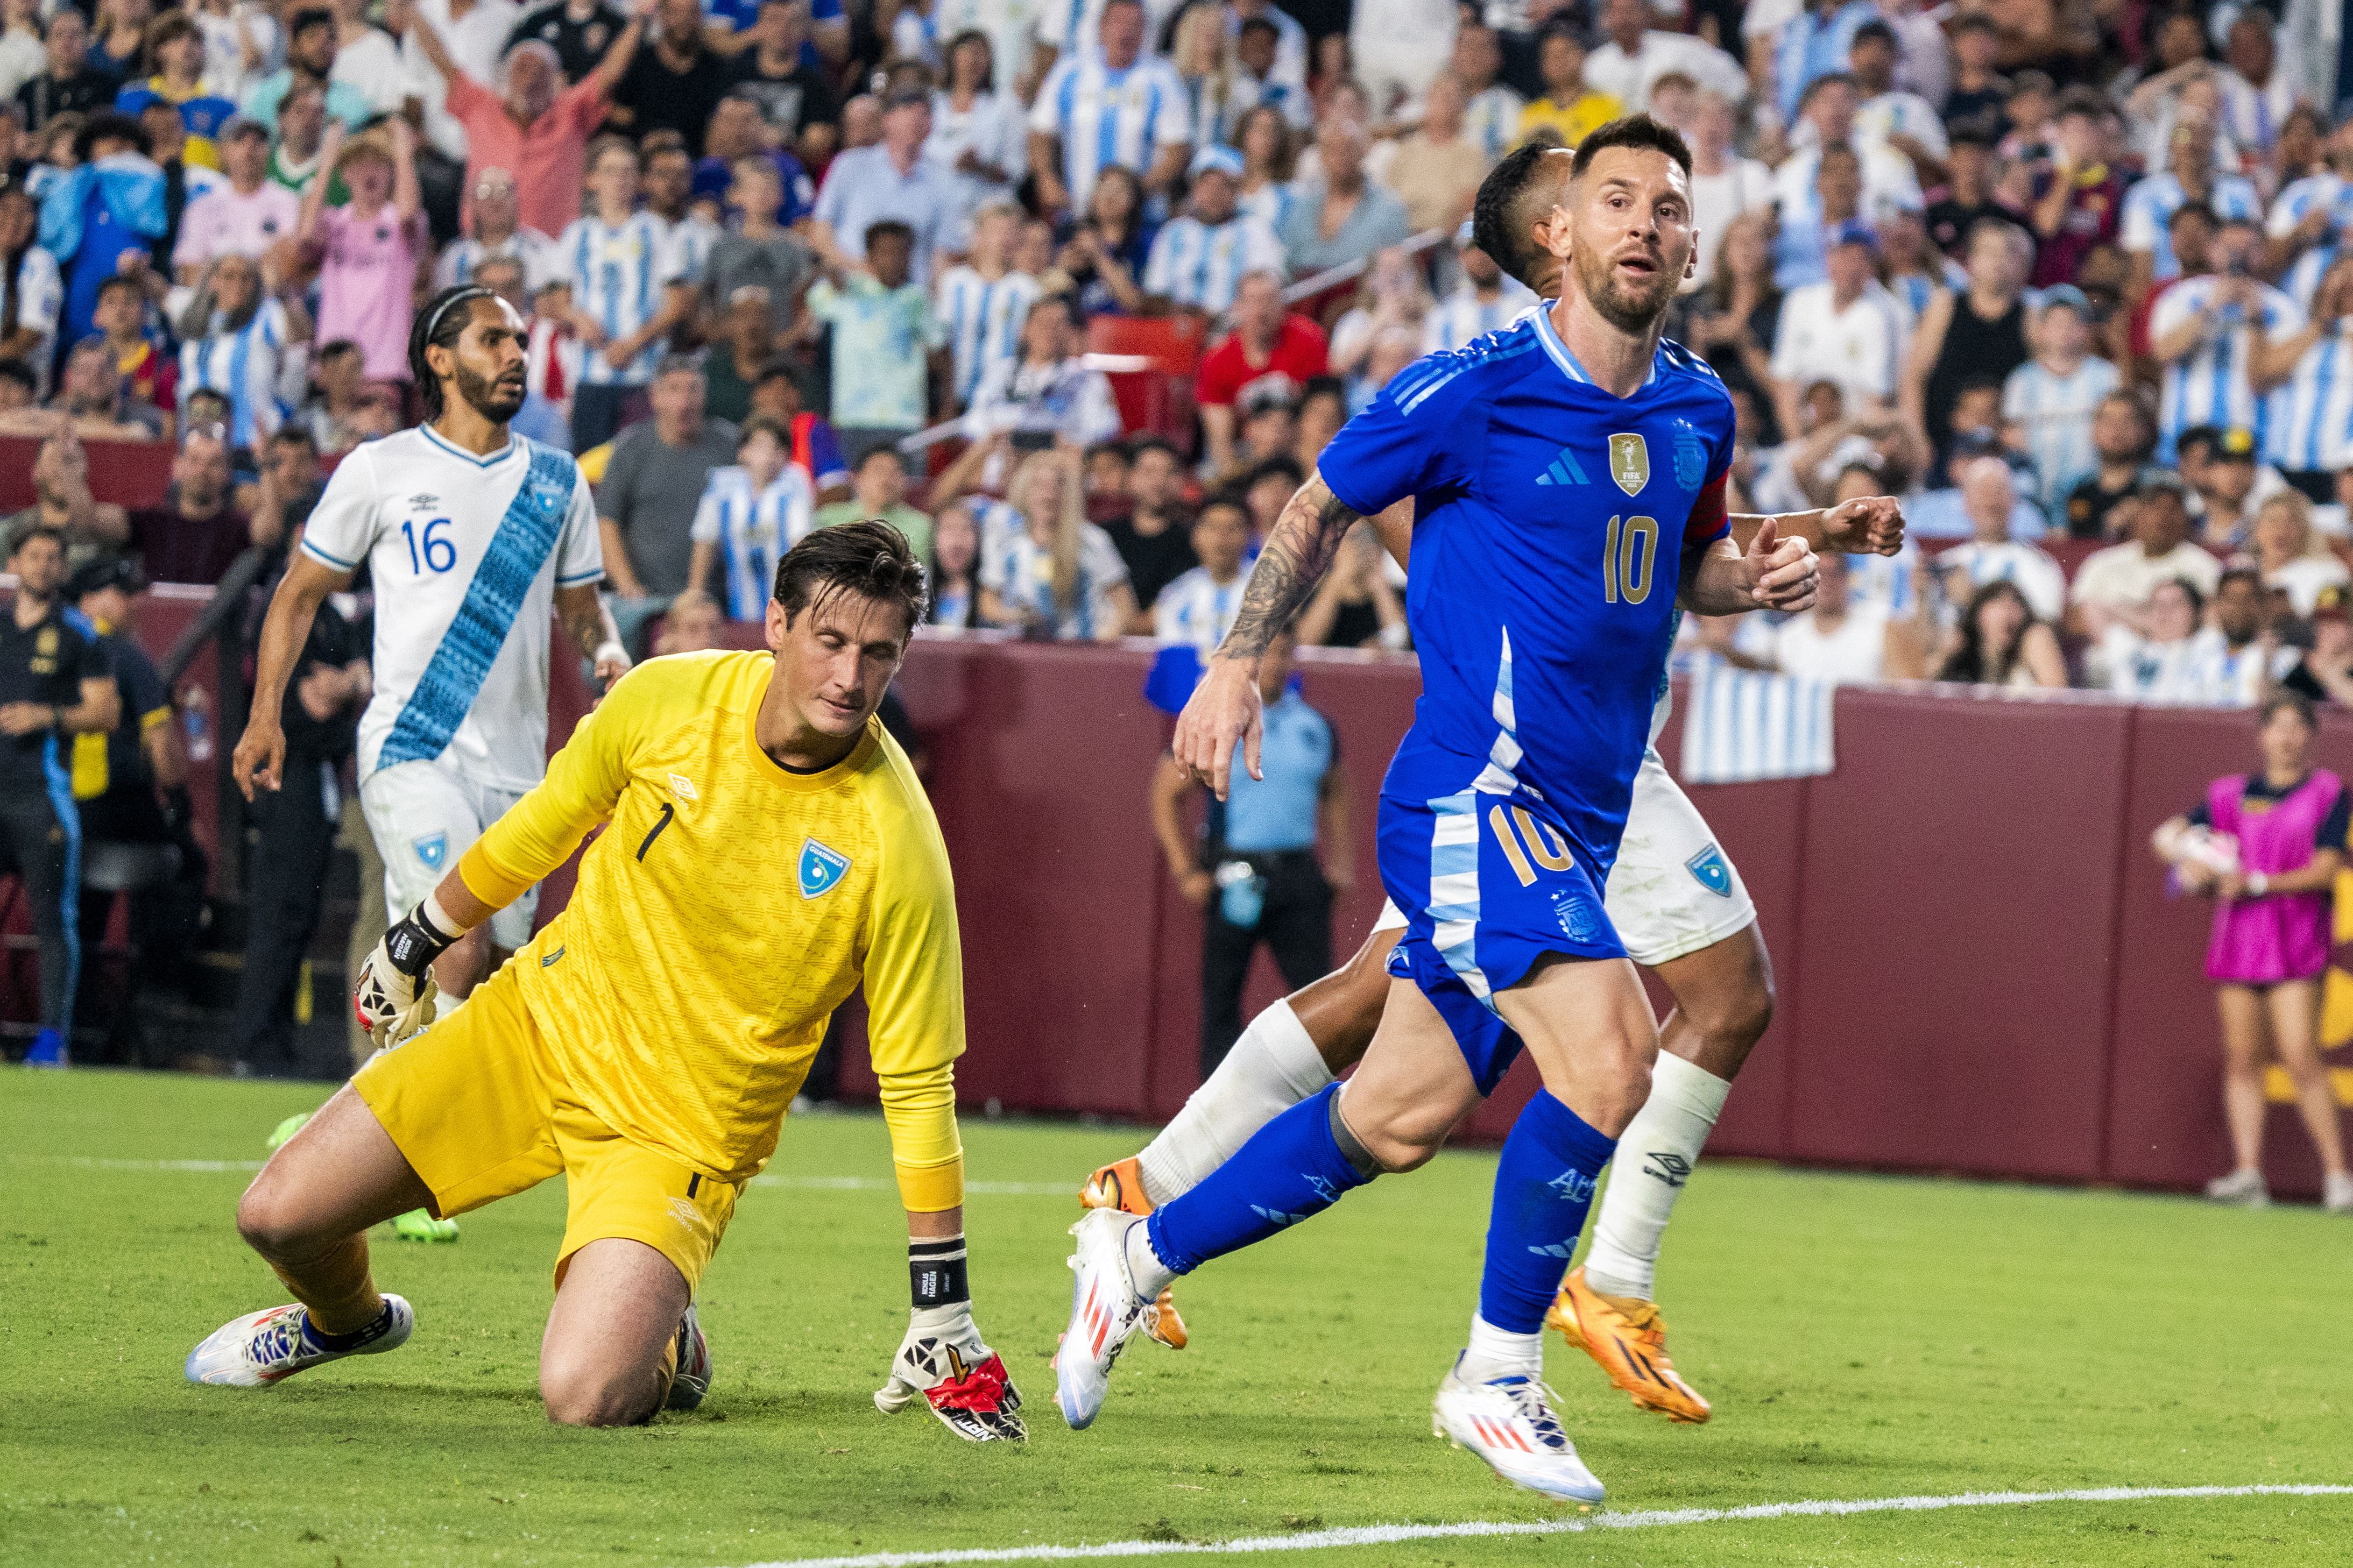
(1628, 556)
(437, 554)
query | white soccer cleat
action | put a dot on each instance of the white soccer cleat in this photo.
(1510, 1423)
(262, 1348)
(1104, 1312)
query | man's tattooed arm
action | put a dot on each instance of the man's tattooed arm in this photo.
(1298, 552)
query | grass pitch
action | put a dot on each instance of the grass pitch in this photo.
(1861, 1338)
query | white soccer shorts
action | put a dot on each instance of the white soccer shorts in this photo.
(424, 815)
(1672, 890)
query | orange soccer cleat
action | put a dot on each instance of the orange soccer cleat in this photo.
(1629, 1338)
(1121, 1186)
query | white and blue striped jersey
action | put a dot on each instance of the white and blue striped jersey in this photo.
(2311, 415)
(1074, 28)
(2208, 385)
(1885, 581)
(690, 241)
(40, 300)
(1104, 116)
(255, 367)
(983, 320)
(1218, 108)
(1001, 528)
(2151, 203)
(618, 272)
(1492, 121)
(1270, 204)
(1022, 575)
(1198, 609)
(2328, 192)
(753, 529)
(1462, 316)
(533, 250)
(466, 553)
(2056, 413)
(1199, 265)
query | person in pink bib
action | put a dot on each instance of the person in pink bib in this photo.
(2267, 847)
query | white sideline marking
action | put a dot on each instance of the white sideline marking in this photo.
(825, 1184)
(1386, 1534)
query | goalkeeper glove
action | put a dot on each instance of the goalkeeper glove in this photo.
(943, 1357)
(395, 995)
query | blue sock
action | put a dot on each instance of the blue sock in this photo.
(1543, 1187)
(1291, 1168)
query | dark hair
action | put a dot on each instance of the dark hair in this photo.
(1639, 130)
(2190, 591)
(2238, 574)
(1828, 79)
(1874, 30)
(440, 324)
(308, 17)
(885, 450)
(1324, 386)
(1233, 498)
(1970, 662)
(889, 226)
(2081, 99)
(1499, 216)
(1137, 447)
(2286, 697)
(2194, 209)
(112, 128)
(36, 529)
(117, 281)
(760, 424)
(337, 349)
(293, 433)
(869, 559)
(2207, 436)
(1260, 25)
(20, 372)
(1276, 466)
(948, 55)
(1975, 22)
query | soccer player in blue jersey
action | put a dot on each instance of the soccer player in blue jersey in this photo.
(1558, 469)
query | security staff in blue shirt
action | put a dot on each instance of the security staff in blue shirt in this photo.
(1254, 871)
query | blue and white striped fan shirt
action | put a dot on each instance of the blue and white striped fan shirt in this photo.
(254, 367)
(2208, 385)
(1074, 28)
(2151, 203)
(984, 323)
(618, 272)
(1104, 116)
(753, 529)
(1462, 315)
(1198, 609)
(533, 250)
(2331, 192)
(2056, 412)
(1199, 265)
(1268, 204)
(2311, 415)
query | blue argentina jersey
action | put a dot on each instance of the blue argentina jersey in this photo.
(617, 273)
(1104, 116)
(251, 368)
(983, 320)
(2150, 205)
(752, 530)
(1550, 529)
(2311, 425)
(2330, 193)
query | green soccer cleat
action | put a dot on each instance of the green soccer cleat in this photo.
(418, 1224)
(287, 1129)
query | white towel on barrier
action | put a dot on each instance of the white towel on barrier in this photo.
(1740, 726)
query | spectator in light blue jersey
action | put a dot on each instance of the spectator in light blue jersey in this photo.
(1198, 259)
(1113, 105)
(2048, 403)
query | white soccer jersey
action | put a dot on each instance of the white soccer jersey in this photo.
(1861, 348)
(2150, 204)
(1104, 116)
(1201, 265)
(984, 321)
(466, 553)
(2312, 417)
(259, 372)
(1197, 608)
(2332, 193)
(537, 253)
(1462, 315)
(2208, 385)
(690, 241)
(753, 530)
(618, 272)
(1492, 121)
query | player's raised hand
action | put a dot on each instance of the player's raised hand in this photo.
(1865, 525)
(1782, 572)
(260, 754)
(1223, 715)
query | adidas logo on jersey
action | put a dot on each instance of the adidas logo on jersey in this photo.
(1562, 471)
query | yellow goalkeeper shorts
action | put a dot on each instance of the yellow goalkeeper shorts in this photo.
(480, 1109)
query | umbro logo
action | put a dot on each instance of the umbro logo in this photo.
(422, 501)
(1564, 470)
(1669, 1167)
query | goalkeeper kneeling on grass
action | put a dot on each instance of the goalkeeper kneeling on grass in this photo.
(768, 850)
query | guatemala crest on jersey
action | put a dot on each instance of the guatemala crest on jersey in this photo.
(1690, 457)
(820, 869)
(432, 850)
(1629, 461)
(1713, 873)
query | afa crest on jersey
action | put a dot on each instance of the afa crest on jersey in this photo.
(1714, 872)
(1691, 457)
(1629, 461)
(820, 869)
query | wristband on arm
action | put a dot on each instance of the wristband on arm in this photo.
(935, 1270)
(424, 935)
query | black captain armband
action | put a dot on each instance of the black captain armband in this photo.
(936, 1271)
(415, 942)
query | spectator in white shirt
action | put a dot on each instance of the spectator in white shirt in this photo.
(1636, 55)
(1398, 46)
(2293, 559)
(2166, 658)
(1724, 185)
(1048, 391)
(1848, 330)
(2114, 584)
(1114, 105)
(1890, 117)
(1829, 117)
(1485, 302)
(1988, 495)
(2257, 96)
(2241, 667)
(1844, 640)
(1490, 114)
(2048, 403)
(1198, 607)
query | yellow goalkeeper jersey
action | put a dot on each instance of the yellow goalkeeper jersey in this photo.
(729, 907)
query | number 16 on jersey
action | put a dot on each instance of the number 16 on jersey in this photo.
(437, 554)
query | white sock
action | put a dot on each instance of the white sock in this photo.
(1498, 1353)
(1655, 1155)
(1272, 1068)
(1143, 1265)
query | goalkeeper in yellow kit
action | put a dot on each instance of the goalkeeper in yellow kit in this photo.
(768, 851)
